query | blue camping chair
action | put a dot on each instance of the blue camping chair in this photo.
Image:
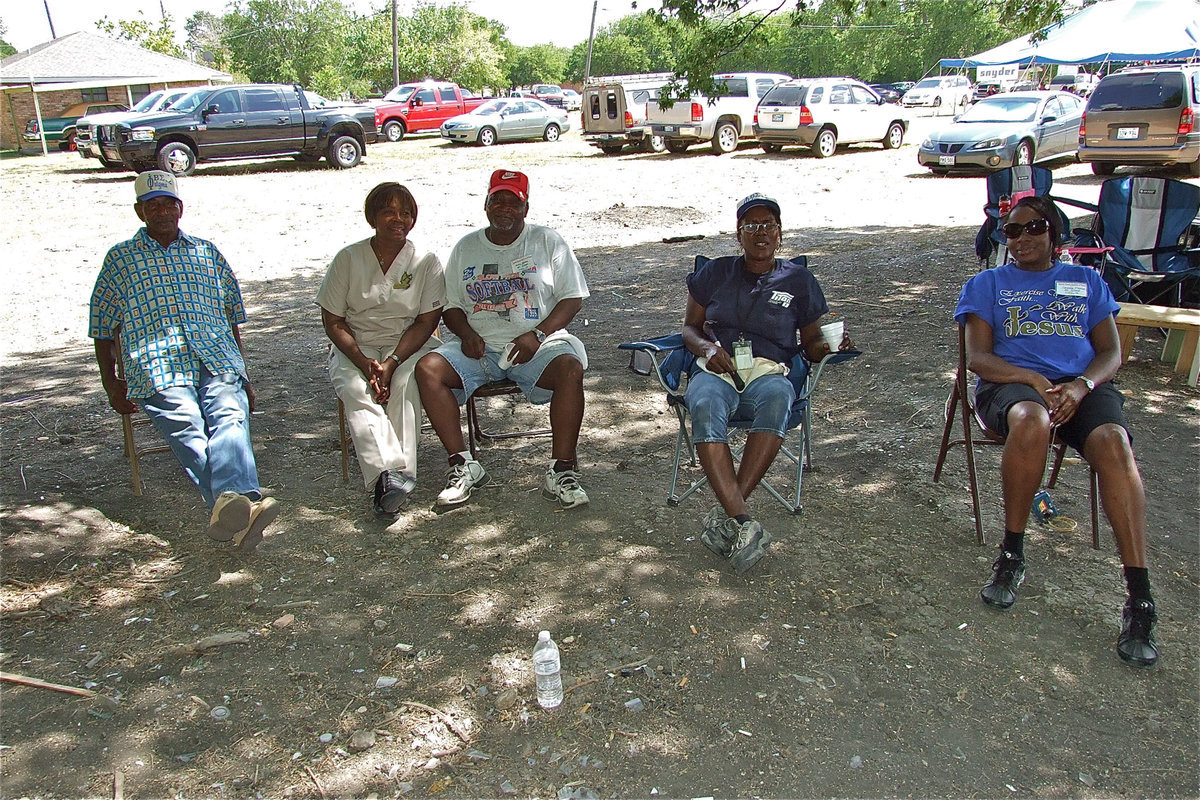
(1143, 221)
(670, 363)
(1015, 182)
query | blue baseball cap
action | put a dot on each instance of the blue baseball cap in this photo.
(756, 199)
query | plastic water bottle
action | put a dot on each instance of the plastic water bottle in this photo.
(546, 667)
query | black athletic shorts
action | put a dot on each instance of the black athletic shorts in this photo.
(1101, 406)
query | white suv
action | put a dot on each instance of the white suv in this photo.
(821, 113)
(949, 91)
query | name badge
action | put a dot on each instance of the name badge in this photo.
(743, 355)
(1070, 288)
(523, 264)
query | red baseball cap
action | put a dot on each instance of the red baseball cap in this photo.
(510, 181)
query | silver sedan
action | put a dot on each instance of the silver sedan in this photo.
(507, 119)
(1006, 129)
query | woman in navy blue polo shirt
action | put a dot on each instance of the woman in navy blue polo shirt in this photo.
(743, 316)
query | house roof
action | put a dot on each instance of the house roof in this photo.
(83, 57)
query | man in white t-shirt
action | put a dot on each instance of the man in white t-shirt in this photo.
(511, 291)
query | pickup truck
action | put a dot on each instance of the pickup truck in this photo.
(723, 120)
(250, 121)
(412, 107)
(91, 129)
(61, 129)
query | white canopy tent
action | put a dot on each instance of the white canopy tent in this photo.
(1111, 30)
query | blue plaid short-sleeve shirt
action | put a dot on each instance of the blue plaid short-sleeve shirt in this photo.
(173, 307)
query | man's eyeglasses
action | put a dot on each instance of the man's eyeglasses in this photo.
(1035, 227)
(755, 227)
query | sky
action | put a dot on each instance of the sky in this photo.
(561, 22)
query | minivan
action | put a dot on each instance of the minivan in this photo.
(1143, 116)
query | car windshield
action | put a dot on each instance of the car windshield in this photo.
(400, 94)
(1002, 109)
(929, 83)
(190, 102)
(786, 96)
(147, 102)
(492, 107)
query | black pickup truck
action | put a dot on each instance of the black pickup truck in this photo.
(251, 121)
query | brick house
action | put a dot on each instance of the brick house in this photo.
(84, 67)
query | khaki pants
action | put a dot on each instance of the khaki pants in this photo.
(385, 438)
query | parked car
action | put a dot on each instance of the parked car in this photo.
(1004, 130)
(887, 92)
(507, 119)
(948, 91)
(412, 107)
(1081, 83)
(983, 90)
(91, 129)
(1143, 115)
(723, 120)
(821, 113)
(614, 112)
(61, 129)
(572, 99)
(551, 95)
(251, 121)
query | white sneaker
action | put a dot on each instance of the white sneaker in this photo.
(564, 487)
(460, 480)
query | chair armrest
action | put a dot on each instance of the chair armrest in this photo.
(668, 361)
(814, 372)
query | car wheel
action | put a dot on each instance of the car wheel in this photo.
(344, 152)
(551, 133)
(1024, 154)
(611, 149)
(725, 138)
(771, 147)
(676, 145)
(895, 136)
(825, 144)
(937, 106)
(1104, 168)
(393, 131)
(177, 158)
(67, 145)
(653, 144)
(487, 137)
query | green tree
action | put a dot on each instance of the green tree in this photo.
(286, 41)
(6, 49)
(541, 63)
(160, 38)
(205, 32)
(443, 43)
(634, 44)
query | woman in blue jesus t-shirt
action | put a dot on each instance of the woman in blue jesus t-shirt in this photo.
(1040, 335)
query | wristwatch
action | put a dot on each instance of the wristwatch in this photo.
(540, 334)
(1088, 382)
(393, 357)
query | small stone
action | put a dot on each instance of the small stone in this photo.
(284, 621)
(506, 699)
(325, 738)
(856, 762)
(362, 740)
(379, 624)
(385, 682)
(1087, 780)
(635, 704)
(507, 788)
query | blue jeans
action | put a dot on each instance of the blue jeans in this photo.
(764, 407)
(208, 429)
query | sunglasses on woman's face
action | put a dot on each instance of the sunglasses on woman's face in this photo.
(1035, 227)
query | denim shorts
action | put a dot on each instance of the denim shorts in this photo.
(715, 406)
(475, 372)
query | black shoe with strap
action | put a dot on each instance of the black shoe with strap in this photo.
(1008, 573)
(1136, 643)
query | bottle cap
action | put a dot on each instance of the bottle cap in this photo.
(544, 636)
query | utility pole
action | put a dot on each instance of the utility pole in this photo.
(395, 46)
(587, 66)
(46, 3)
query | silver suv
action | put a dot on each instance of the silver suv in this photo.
(821, 113)
(1143, 116)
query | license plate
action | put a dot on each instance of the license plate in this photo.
(669, 128)
(945, 161)
(1127, 133)
(777, 118)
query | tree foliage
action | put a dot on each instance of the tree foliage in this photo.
(286, 41)
(541, 63)
(634, 44)
(160, 38)
(205, 39)
(6, 49)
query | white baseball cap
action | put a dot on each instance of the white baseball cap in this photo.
(155, 183)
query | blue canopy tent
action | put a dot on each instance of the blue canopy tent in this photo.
(1112, 30)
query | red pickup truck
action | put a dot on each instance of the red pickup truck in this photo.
(412, 107)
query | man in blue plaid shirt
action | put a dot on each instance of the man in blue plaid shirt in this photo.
(167, 307)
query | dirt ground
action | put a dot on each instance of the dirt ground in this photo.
(367, 660)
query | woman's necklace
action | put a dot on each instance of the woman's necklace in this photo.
(384, 261)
